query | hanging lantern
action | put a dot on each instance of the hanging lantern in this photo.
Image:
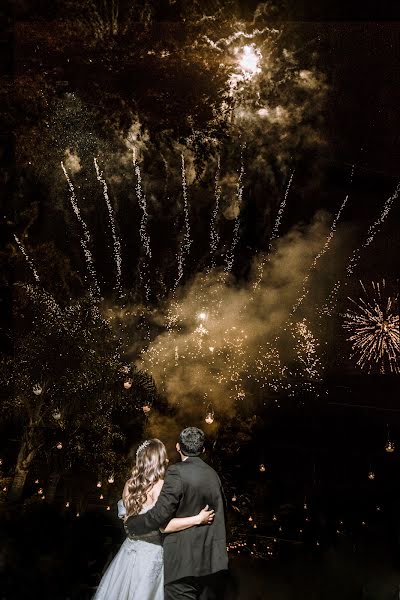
(1, 461)
(250, 519)
(40, 491)
(37, 389)
(36, 480)
(5, 489)
(67, 505)
(234, 498)
(108, 508)
(59, 446)
(57, 415)
(128, 384)
(99, 484)
(146, 408)
(78, 514)
(43, 497)
(262, 468)
(389, 446)
(371, 475)
(209, 418)
(111, 479)
(274, 518)
(101, 497)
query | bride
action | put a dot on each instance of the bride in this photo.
(136, 572)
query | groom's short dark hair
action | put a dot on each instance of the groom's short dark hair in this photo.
(191, 441)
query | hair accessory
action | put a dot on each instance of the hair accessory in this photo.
(142, 447)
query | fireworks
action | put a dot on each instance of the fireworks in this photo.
(144, 235)
(230, 255)
(85, 239)
(374, 323)
(28, 260)
(186, 242)
(116, 242)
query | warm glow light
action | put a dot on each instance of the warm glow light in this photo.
(262, 468)
(128, 384)
(111, 479)
(202, 316)
(371, 475)
(389, 446)
(146, 408)
(209, 418)
(250, 61)
(99, 484)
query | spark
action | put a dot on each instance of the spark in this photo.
(28, 260)
(306, 349)
(355, 257)
(85, 239)
(374, 323)
(230, 255)
(116, 242)
(305, 289)
(274, 234)
(144, 235)
(214, 235)
(186, 242)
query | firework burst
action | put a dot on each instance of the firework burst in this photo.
(374, 323)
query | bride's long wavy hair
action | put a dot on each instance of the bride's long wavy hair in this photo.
(151, 464)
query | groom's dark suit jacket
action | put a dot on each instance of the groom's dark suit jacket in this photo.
(198, 551)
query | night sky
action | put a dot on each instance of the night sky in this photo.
(194, 191)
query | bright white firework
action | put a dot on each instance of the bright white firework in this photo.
(373, 229)
(230, 255)
(144, 235)
(116, 242)
(332, 231)
(85, 239)
(186, 242)
(274, 234)
(214, 235)
(374, 323)
(28, 260)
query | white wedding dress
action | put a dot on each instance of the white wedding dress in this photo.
(137, 570)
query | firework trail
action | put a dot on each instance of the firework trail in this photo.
(116, 242)
(230, 255)
(214, 236)
(274, 234)
(305, 289)
(28, 260)
(373, 229)
(306, 350)
(186, 242)
(144, 236)
(374, 324)
(85, 239)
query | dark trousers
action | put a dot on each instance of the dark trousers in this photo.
(209, 587)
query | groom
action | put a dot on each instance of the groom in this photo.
(195, 559)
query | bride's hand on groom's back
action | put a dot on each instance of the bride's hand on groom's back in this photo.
(206, 516)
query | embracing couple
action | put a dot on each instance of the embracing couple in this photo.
(176, 543)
